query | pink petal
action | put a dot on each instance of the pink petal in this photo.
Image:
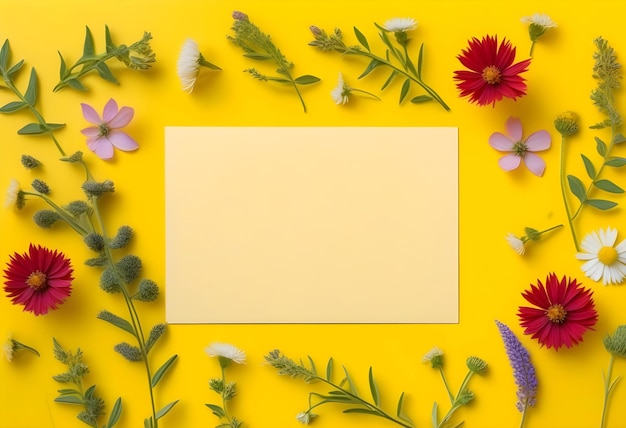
(110, 110)
(501, 142)
(509, 162)
(101, 147)
(122, 141)
(91, 132)
(90, 114)
(122, 118)
(538, 141)
(534, 163)
(514, 128)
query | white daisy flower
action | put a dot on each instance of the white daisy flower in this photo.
(516, 243)
(605, 260)
(226, 353)
(12, 193)
(539, 19)
(400, 24)
(341, 92)
(189, 62)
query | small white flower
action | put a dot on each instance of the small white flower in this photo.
(12, 193)
(341, 92)
(9, 348)
(604, 260)
(225, 351)
(539, 19)
(400, 24)
(305, 417)
(189, 64)
(516, 243)
(434, 353)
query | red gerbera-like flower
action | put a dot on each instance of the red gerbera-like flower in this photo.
(492, 74)
(40, 279)
(564, 311)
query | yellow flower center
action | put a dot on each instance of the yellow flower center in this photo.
(491, 75)
(607, 255)
(36, 280)
(556, 313)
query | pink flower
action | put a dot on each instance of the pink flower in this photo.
(106, 134)
(520, 149)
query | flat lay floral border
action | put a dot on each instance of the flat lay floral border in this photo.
(559, 309)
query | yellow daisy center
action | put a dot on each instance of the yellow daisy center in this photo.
(607, 255)
(491, 75)
(556, 313)
(36, 280)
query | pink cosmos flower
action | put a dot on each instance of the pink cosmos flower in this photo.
(107, 134)
(520, 149)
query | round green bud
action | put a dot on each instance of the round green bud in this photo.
(129, 267)
(46, 218)
(94, 241)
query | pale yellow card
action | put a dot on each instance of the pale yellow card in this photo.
(311, 225)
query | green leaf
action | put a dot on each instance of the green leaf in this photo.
(12, 107)
(348, 379)
(88, 47)
(374, 388)
(362, 39)
(162, 370)
(372, 65)
(147, 423)
(54, 126)
(619, 138)
(31, 91)
(32, 129)
(601, 147)
(90, 392)
(577, 187)
(421, 99)
(75, 84)
(165, 409)
(63, 67)
(69, 399)
(116, 321)
(405, 90)
(389, 79)
(601, 204)
(608, 186)
(591, 171)
(419, 62)
(434, 416)
(307, 79)
(359, 410)
(4, 55)
(216, 410)
(313, 368)
(399, 411)
(68, 392)
(257, 56)
(15, 68)
(116, 412)
(615, 162)
(329, 369)
(105, 72)
(108, 40)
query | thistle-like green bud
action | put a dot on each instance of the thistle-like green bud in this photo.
(465, 397)
(156, 332)
(29, 162)
(566, 123)
(129, 267)
(616, 344)
(216, 385)
(97, 261)
(40, 186)
(76, 157)
(123, 237)
(476, 365)
(287, 366)
(46, 218)
(147, 291)
(434, 357)
(94, 241)
(92, 188)
(78, 208)
(109, 281)
(128, 351)
(230, 390)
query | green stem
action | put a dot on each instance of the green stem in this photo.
(364, 92)
(532, 48)
(226, 415)
(88, 66)
(570, 219)
(445, 383)
(521, 425)
(608, 387)
(455, 403)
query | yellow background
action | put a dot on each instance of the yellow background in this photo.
(492, 203)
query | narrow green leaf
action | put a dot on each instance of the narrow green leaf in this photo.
(338, 392)
(75, 84)
(421, 99)
(257, 56)
(362, 39)
(15, 68)
(31, 90)
(12, 107)
(62, 67)
(405, 90)
(601, 147)
(389, 79)
(105, 72)
(372, 65)
(601, 204)
(329, 369)
(400, 413)
(116, 412)
(147, 423)
(69, 399)
(165, 409)
(4, 55)
(216, 410)
(313, 368)
(608, 186)
(615, 162)
(68, 392)
(419, 62)
(601, 125)
(374, 388)
(348, 379)
(434, 416)
(162, 370)
(54, 126)
(90, 392)
(307, 79)
(591, 171)
(577, 187)
(358, 410)
(108, 40)
(116, 321)
(88, 47)
(618, 138)
(32, 129)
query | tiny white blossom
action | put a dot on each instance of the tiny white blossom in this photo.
(539, 19)
(9, 348)
(433, 353)
(400, 24)
(12, 193)
(227, 352)
(516, 243)
(188, 64)
(341, 92)
(305, 417)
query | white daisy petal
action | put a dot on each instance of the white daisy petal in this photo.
(227, 351)
(188, 64)
(604, 260)
(400, 24)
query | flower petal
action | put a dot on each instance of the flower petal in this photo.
(514, 128)
(90, 114)
(534, 163)
(509, 162)
(122, 141)
(538, 141)
(101, 147)
(501, 142)
(91, 132)
(122, 118)
(110, 110)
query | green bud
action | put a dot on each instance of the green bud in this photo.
(465, 397)
(46, 218)
(76, 157)
(129, 267)
(109, 281)
(535, 31)
(156, 332)
(97, 261)
(230, 390)
(128, 351)
(216, 385)
(40, 186)
(616, 344)
(148, 291)
(77, 208)
(124, 234)
(29, 162)
(476, 365)
(96, 189)
(566, 123)
(94, 241)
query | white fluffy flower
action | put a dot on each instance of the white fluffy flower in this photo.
(539, 19)
(434, 353)
(225, 351)
(9, 348)
(341, 92)
(516, 243)
(604, 260)
(305, 417)
(400, 24)
(12, 193)
(188, 64)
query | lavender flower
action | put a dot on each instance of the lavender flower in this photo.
(523, 370)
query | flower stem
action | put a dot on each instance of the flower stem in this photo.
(521, 425)
(608, 387)
(445, 383)
(570, 219)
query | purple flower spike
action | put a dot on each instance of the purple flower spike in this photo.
(523, 370)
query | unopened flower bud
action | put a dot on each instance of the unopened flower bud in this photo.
(77, 208)
(46, 218)
(94, 241)
(29, 162)
(109, 281)
(148, 291)
(128, 351)
(124, 234)
(476, 365)
(566, 123)
(240, 16)
(40, 186)
(129, 267)
(96, 189)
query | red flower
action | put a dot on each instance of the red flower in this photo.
(492, 73)
(564, 311)
(40, 279)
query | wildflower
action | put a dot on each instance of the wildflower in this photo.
(519, 243)
(516, 243)
(40, 279)
(107, 133)
(226, 353)
(492, 74)
(523, 369)
(11, 346)
(434, 357)
(305, 418)
(400, 24)
(13, 194)
(189, 62)
(342, 91)
(539, 23)
(520, 149)
(566, 123)
(605, 260)
(563, 311)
